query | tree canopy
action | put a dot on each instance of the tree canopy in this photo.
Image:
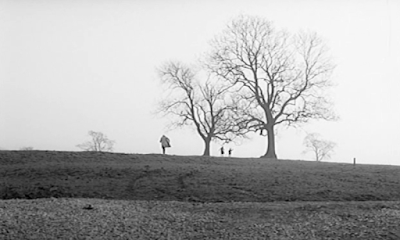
(205, 104)
(280, 78)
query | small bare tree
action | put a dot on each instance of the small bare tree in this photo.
(99, 143)
(206, 105)
(322, 149)
(26, 149)
(280, 77)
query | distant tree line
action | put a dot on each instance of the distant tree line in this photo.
(26, 149)
(98, 142)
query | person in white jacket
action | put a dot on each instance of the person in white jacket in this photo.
(165, 143)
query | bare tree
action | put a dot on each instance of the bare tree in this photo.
(99, 143)
(26, 149)
(203, 104)
(322, 149)
(280, 77)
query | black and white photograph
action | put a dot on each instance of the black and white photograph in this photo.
(183, 119)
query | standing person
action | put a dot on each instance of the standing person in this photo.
(230, 151)
(165, 143)
(222, 150)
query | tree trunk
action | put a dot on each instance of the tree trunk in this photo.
(207, 147)
(271, 143)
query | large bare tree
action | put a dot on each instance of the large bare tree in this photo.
(206, 105)
(280, 77)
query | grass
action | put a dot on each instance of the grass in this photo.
(124, 219)
(41, 174)
(88, 195)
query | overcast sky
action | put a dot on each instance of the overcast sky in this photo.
(67, 67)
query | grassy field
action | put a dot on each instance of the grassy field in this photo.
(88, 195)
(41, 174)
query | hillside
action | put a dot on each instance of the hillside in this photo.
(39, 174)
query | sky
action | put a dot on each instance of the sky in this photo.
(69, 66)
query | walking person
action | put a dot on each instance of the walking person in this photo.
(230, 151)
(165, 143)
(222, 151)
